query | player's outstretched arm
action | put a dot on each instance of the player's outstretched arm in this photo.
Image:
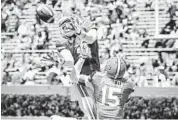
(84, 53)
(85, 31)
(128, 88)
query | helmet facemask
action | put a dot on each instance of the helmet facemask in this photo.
(67, 29)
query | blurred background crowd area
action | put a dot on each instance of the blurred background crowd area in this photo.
(39, 105)
(47, 105)
(124, 27)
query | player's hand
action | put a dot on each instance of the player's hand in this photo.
(77, 25)
(53, 56)
(85, 51)
(87, 24)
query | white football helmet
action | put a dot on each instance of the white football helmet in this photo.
(67, 26)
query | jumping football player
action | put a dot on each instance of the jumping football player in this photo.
(74, 34)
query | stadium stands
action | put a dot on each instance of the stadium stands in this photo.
(136, 49)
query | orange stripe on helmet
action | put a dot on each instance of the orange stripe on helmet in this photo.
(118, 67)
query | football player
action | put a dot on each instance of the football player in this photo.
(74, 37)
(74, 34)
(111, 90)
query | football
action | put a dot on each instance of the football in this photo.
(45, 13)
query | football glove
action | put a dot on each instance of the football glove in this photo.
(54, 57)
(85, 51)
(87, 25)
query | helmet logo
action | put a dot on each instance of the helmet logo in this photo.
(107, 67)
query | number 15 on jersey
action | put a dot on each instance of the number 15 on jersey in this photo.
(111, 96)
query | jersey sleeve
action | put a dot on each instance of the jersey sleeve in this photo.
(128, 88)
(96, 78)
